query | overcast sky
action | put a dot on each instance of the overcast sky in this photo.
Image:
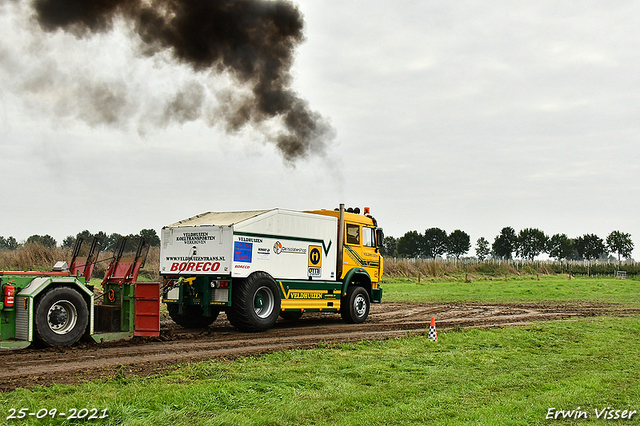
(459, 115)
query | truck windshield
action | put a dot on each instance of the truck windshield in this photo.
(368, 238)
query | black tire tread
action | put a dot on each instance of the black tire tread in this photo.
(42, 334)
(242, 303)
(346, 305)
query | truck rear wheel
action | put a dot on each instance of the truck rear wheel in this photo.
(61, 317)
(255, 303)
(354, 307)
(191, 316)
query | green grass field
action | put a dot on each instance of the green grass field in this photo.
(514, 289)
(500, 376)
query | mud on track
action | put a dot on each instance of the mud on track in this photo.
(84, 361)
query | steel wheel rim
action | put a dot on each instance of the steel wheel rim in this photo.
(263, 302)
(62, 317)
(360, 305)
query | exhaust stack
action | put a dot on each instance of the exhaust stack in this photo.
(340, 241)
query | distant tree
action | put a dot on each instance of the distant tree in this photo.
(589, 247)
(43, 240)
(434, 242)
(620, 243)
(531, 242)
(111, 241)
(69, 241)
(505, 244)
(8, 243)
(482, 248)
(458, 243)
(560, 246)
(12, 243)
(86, 235)
(101, 235)
(574, 253)
(132, 242)
(409, 244)
(150, 234)
(389, 247)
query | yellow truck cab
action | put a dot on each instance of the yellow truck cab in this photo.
(361, 241)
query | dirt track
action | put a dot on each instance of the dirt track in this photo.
(30, 367)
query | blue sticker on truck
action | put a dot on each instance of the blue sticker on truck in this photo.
(242, 252)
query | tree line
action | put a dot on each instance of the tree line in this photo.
(108, 241)
(433, 243)
(526, 244)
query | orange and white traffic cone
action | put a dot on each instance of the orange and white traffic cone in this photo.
(433, 335)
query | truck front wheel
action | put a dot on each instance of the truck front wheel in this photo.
(354, 307)
(192, 316)
(61, 317)
(255, 303)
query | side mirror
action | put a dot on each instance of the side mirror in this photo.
(379, 237)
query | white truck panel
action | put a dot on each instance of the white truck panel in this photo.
(286, 244)
(196, 250)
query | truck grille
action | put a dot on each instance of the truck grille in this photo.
(23, 318)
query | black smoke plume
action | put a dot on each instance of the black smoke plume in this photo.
(252, 40)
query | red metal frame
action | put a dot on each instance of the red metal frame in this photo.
(83, 266)
(147, 309)
(125, 270)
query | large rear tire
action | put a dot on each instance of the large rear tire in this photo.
(61, 317)
(191, 316)
(354, 307)
(255, 303)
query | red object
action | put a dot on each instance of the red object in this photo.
(147, 309)
(9, 293)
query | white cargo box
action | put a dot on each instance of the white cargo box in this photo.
(286, 244)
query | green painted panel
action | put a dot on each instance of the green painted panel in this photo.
(376, 295)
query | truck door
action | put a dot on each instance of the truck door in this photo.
(360, 250)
